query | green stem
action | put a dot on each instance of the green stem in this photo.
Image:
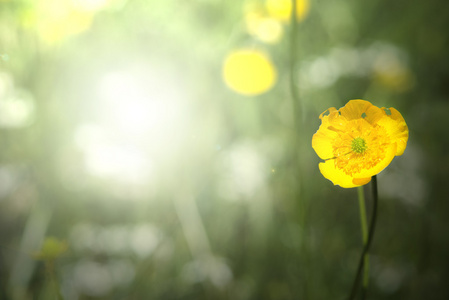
(292, 54)
(49, 265)
(368, 243)
(364, 226)
(298, 135)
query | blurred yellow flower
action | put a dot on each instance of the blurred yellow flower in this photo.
(358, 141)
(249, 72)
(55, 20)
(267, 30)
(281, 9)
(396, 77)
(51, 249)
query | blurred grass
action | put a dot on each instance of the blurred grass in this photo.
(207, 166)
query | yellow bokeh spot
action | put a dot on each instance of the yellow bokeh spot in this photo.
(249, 72)
(393, 73)
(281, 9)
(57, 29)
(55, 20)
(267, 30)
(397, 78)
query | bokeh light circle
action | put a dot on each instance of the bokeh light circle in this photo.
(281, 9)
(249, 72)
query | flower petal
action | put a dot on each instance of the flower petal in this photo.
(354, 109)
(361, 181)
(397, 129)
(338, 177)
(373, 114)
(337, 122)
(361, 109)
(327, 133)
(329, 111)
(322, 142)
(389, 155)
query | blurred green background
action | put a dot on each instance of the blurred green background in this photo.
(120, 138)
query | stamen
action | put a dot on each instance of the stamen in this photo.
(358, 145)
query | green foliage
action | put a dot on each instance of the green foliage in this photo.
(119, 136)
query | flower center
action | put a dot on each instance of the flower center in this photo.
(358, 145)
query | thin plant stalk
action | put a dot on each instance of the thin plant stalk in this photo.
(298, 126)
(364, 227)
(368, 243)
(293, 78)
(49, 265)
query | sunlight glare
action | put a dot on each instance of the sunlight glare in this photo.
(17, 108)
(138, 119)
(91, 5)
(136, 107)
(108, 158)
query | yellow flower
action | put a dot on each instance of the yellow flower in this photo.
(267, 30)
(249, 72)
(281, 9)
(55, 20)
(358, 141)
